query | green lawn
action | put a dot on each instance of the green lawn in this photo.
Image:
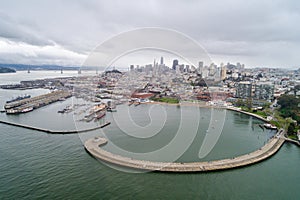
(293, 137)
(166, 100)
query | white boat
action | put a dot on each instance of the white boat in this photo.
(25, 110)
(270, 126)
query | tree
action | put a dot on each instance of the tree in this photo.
(289, 107)
(288, 101)
(291, 129)
(249, 103)
(239, 103)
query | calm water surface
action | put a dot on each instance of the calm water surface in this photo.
(36, 165)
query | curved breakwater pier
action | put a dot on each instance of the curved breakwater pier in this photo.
(54, 131)
(269, 149)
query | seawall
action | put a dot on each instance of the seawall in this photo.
(54, 131)
(269, 149)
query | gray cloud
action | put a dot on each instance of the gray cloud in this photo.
(16, 31)
(257, 32)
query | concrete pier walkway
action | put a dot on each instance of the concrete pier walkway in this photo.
(292, 141)
(269, 149)
(54, 131)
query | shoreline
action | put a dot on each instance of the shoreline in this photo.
(207, 106)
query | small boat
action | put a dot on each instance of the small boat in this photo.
(270, 126)
(11, 111)
(111, 110)
(28, 109)
(99, 116)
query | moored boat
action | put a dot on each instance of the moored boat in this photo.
(111, 110)
(270, 126)
(28, 109)
(18, 98)
(99, 116)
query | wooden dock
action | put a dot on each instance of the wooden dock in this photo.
(269, 149)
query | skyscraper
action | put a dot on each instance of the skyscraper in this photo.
(223, 72)
(175, 63)
(131, 67)
(161, 60)
(200, 67)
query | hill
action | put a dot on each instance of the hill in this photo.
(7, 70)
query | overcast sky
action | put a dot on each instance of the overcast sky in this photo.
(256, 32)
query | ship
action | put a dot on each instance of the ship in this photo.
(19, 98)
(18, 111)
(28, 109)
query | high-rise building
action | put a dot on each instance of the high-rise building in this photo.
(161, 60)
(244, 90)
(264, 91)
(175, 63)
(200, 64)
(223, 72)
(204, 72)
(200, 67)
(212, 69)
(187, 68)
(131, 67)
(181, 67)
